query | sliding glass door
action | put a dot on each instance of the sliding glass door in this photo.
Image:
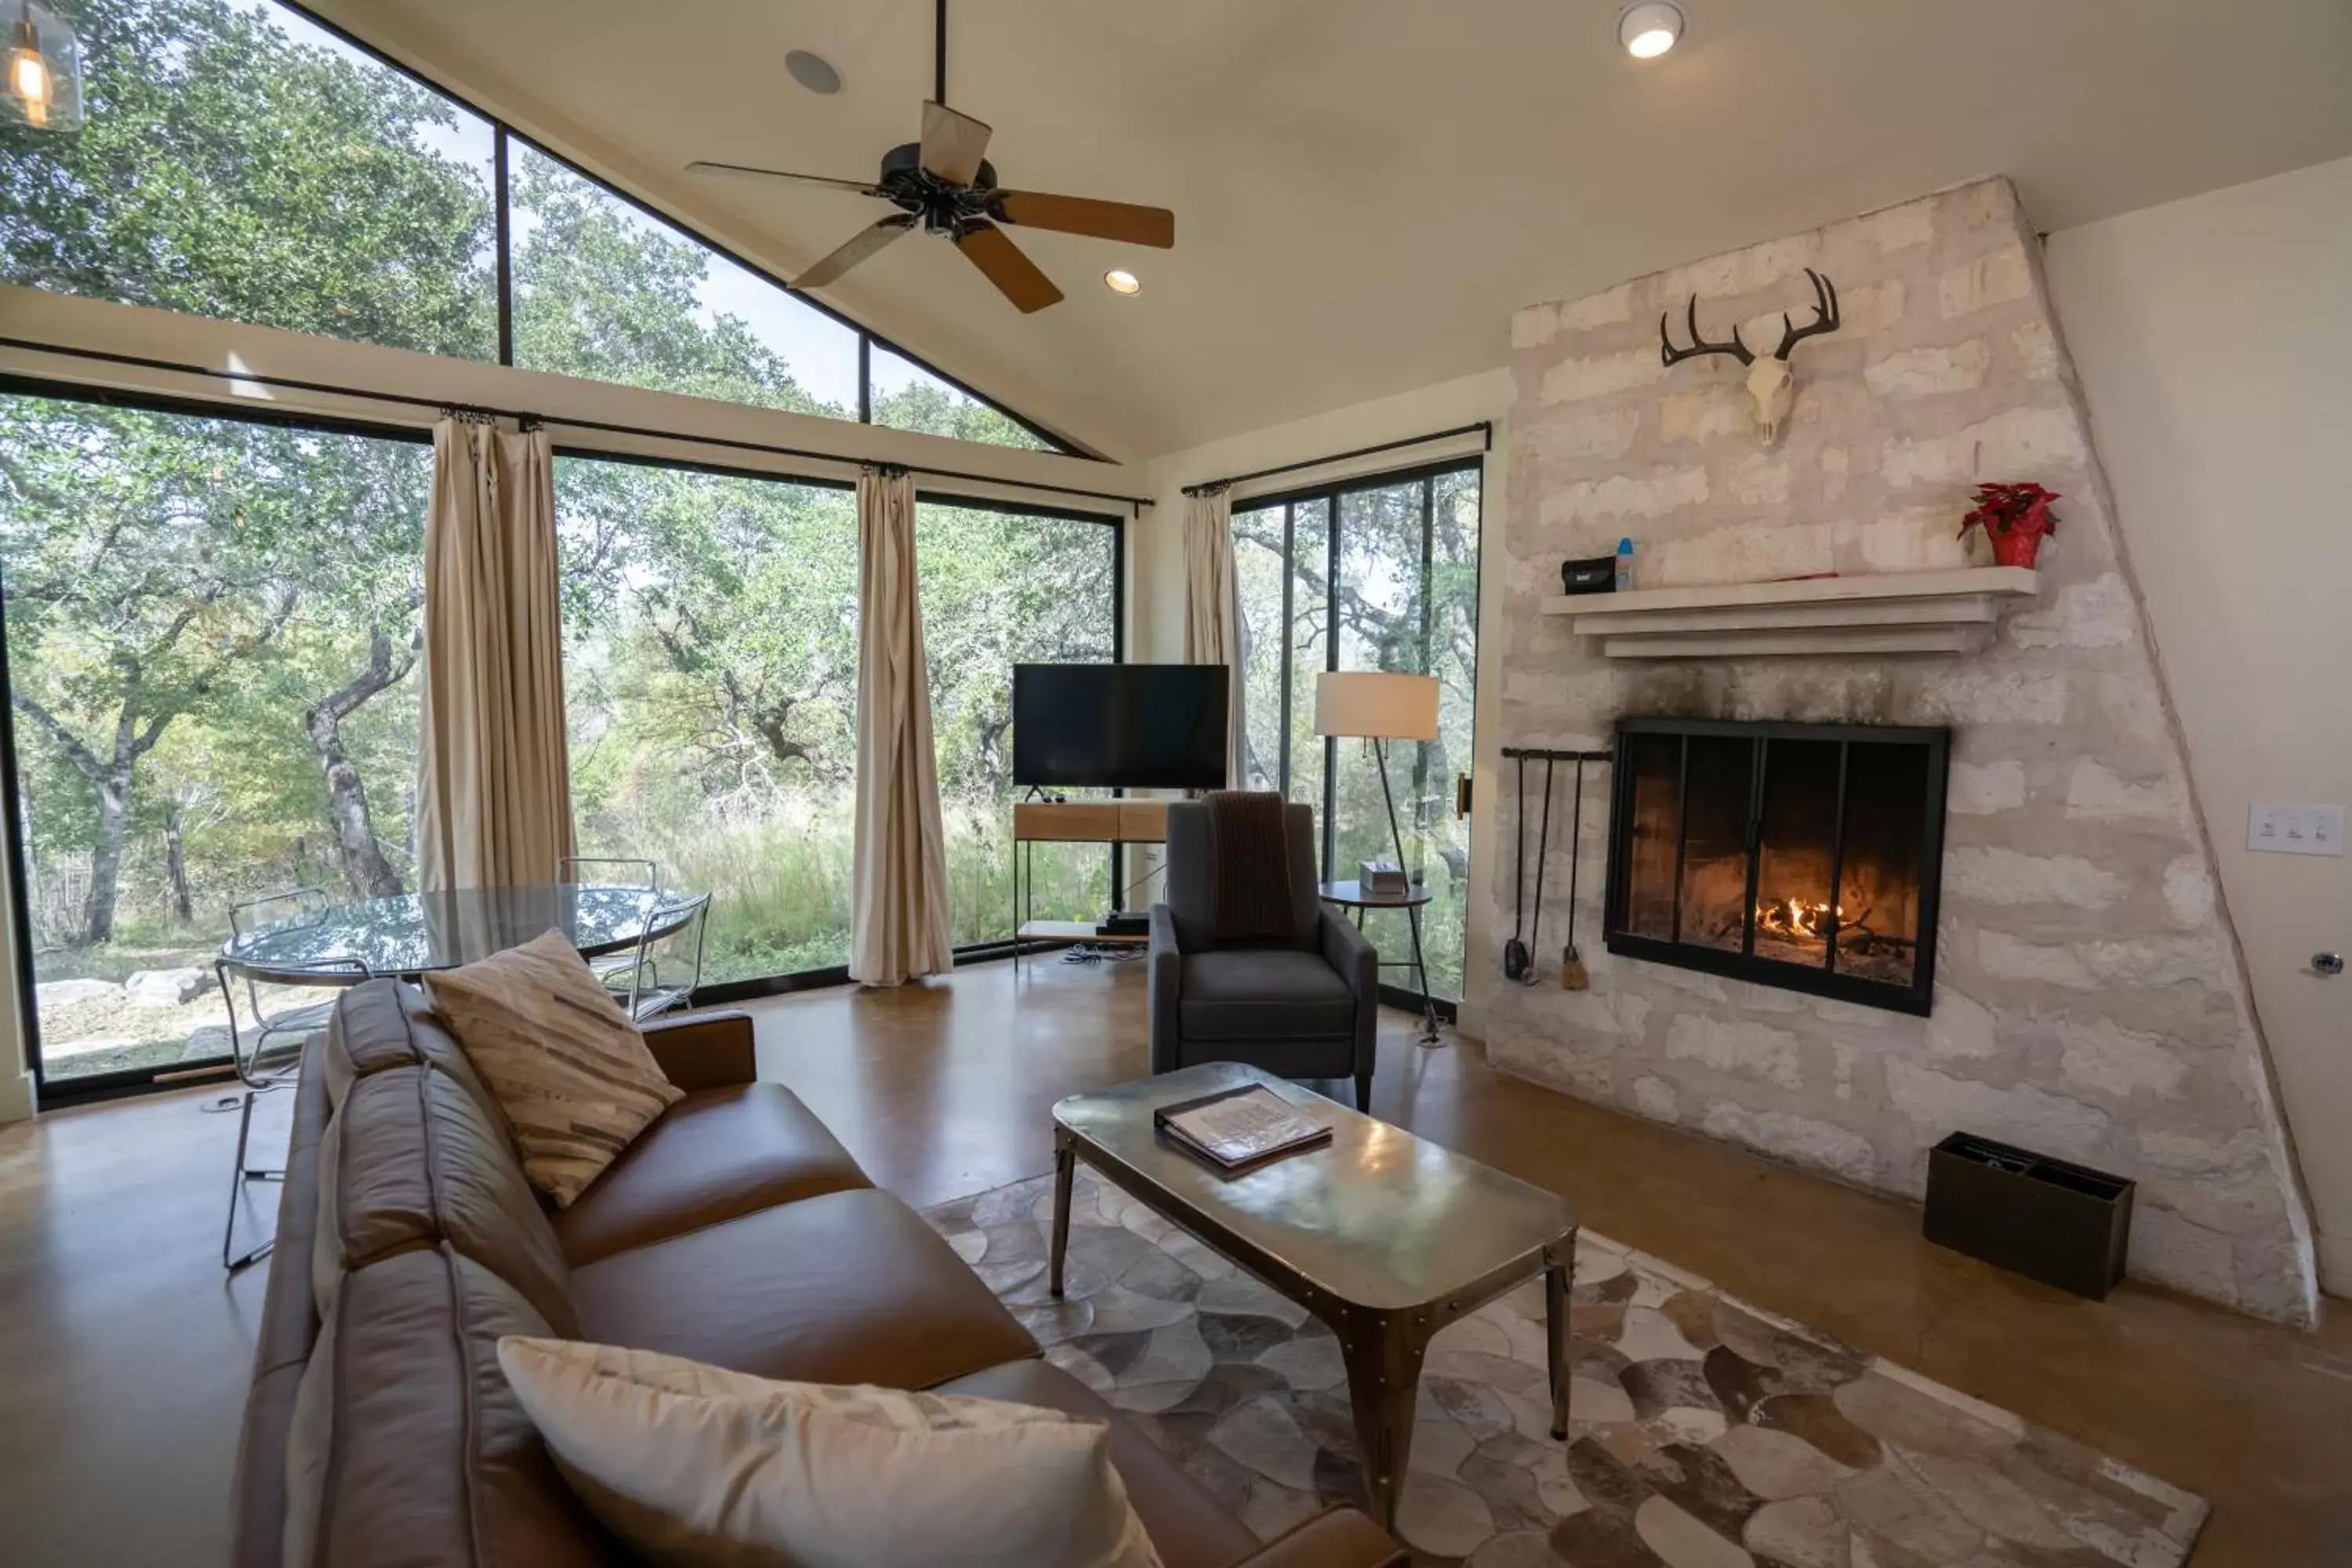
(1375, 574)
(211, 660)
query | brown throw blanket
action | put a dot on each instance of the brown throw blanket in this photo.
(1253, 865)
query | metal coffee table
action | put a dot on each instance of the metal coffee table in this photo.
(1384, 1236)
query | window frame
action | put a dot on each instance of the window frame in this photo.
(1329, 493)
(502, 205)
(90, 1088)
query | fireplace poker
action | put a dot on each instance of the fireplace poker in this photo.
(1572, 975)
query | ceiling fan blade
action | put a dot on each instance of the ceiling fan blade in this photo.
(864, 243)
(1084, 215)
(863, 187)
(952, 143)
(1015, 276)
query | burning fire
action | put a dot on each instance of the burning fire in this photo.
(1797, 918)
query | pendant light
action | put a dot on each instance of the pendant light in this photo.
(44, 79)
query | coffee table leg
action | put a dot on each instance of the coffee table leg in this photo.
(1560, 1272)
(1383, 1363)
(1065, 1171)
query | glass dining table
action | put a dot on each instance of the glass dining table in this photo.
(411, 934)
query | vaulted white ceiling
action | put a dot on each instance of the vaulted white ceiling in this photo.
(1366, 189)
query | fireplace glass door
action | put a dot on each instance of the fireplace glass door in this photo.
(1799, 855)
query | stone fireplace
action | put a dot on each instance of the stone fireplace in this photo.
(2047, 962)
(1802, 856)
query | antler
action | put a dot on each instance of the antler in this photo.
(1825, 316)
(1671, 355)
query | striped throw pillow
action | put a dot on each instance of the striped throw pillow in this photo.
(567, 1066)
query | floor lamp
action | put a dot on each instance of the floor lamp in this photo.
(1382, 707)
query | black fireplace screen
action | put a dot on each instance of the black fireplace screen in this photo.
(1805, 856)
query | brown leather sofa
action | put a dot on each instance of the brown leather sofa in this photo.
(735, 1230)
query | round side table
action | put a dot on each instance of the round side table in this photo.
(1352, 895)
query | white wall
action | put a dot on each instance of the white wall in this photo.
(1157, 547)
(2213, 338)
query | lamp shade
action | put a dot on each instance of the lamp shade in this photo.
(1377, 703)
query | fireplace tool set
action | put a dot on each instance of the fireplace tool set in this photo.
(1518, 955)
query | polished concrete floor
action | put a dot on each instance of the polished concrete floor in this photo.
(124, 1352)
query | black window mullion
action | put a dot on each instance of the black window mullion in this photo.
(1330, 662)
(866, 378)
(1289, 624)
(502, 198)
(1421, 750)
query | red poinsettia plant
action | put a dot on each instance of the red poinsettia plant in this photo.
(2015, 518)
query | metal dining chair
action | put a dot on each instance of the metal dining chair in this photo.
(260, 1068)
(652, 992)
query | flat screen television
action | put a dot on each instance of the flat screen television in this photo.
(1131, 726)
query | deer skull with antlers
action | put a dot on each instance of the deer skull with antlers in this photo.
(1769, 382)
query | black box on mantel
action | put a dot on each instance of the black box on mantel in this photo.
(1594, 575)
(2063, 1225)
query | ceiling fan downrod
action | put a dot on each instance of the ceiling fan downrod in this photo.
(940, 54)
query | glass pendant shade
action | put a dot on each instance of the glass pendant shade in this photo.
(43, 85)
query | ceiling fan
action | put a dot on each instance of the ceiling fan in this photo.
(944, 184)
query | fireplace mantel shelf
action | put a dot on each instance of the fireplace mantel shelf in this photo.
(1908, 612)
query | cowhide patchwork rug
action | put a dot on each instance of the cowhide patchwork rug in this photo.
(1707, 1433)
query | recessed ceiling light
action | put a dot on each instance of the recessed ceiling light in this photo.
(1649, 29)
(813, 72)
(1119, 281)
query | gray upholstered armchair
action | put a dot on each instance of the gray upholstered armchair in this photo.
(1301, 1006)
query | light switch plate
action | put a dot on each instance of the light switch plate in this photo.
(2296, 829)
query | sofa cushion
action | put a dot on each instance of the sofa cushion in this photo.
(848, 1286)
(1262, 993)
(717, 1154)
(413, 1159)
(407, 1446)
(567, 1065)
(693, 1463)
(1189, 1528)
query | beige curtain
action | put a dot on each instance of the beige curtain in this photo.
(900, 925)
(1212, 610)
(494, 776)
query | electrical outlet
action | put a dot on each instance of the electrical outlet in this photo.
(2296, 829)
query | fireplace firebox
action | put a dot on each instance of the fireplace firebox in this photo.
(1803, 855)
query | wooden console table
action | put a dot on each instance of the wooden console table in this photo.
(1076, 822)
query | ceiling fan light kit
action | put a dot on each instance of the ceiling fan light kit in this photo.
(1650, 29)
(945, 185)
(1119, 281)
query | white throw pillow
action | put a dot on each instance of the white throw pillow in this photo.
(692, 1464)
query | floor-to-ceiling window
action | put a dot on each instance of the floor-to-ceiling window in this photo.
(1378, 573)
(180, 586)
(710, 675)
(211, 648)
(710, 669)
(1001, 586)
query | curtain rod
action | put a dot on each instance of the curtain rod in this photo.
(453, 407)
(1547, 755)
(1484, 428)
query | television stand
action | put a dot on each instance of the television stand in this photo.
(1074, 822)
